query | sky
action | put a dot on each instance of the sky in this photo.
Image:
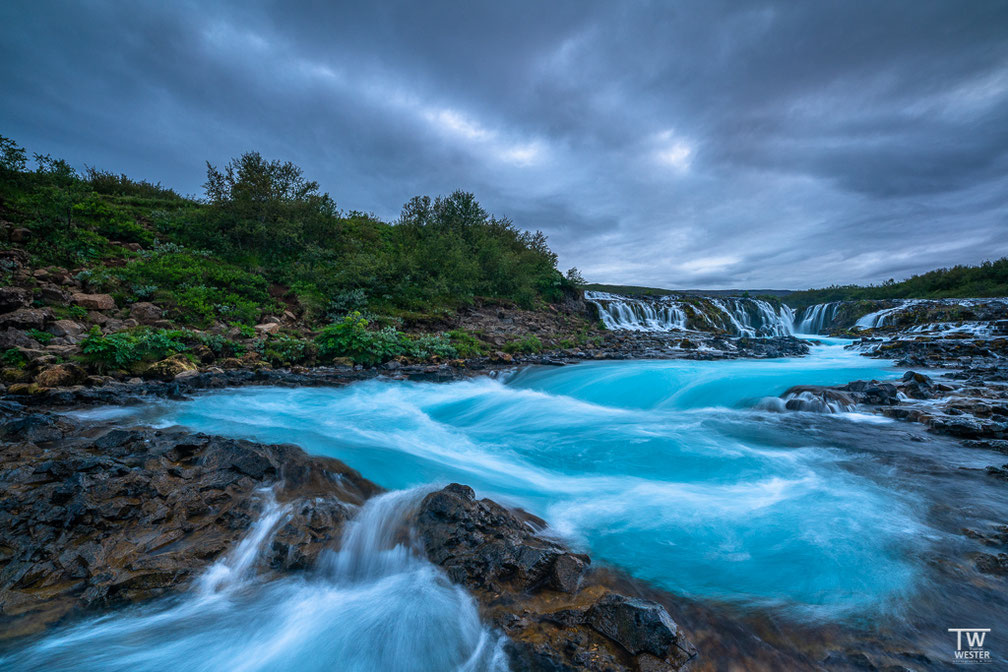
(681, 144)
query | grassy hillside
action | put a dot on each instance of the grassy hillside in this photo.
(265, 235)
(262, 243)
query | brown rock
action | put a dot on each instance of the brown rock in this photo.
(145, 312)
(169, 368)
(94, 301)
(61, 375)
(267, 328)
(132, 515)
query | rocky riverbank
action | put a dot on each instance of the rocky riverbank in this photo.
(955, 385)
(94, 519)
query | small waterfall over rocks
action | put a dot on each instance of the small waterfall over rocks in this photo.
(374, 604)
(740, 316)
(817, 319)
(622, 312)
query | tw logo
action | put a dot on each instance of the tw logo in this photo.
(973, 651)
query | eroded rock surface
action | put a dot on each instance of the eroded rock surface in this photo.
(557, 614)
(97, 519)
(132, 514)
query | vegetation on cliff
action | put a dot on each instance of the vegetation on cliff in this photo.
(263, 245)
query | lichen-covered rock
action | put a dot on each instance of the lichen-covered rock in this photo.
(61, 375)
(168, 368)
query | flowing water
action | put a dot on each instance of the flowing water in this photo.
(673, 470)
(374, 605)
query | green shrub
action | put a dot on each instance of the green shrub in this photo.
(245, 330)
(465, 344)
(14, 357)
(283, 350)
(429, 346)
(219, 345)
(528, 345)
(42, 337)
(350, 338)
(125, 349)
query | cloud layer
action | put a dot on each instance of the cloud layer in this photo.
(687, 144)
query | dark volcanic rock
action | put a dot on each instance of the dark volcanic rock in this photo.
(96, 520)
(132, 514)
(557, 615)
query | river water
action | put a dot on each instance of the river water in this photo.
(667, 469)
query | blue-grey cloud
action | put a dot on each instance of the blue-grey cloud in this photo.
(776, 144)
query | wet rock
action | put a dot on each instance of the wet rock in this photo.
(637, 625)
(99, 522)
(540, 594)
(94, 301)
(996, 565)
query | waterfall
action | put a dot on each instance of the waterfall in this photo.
(741, 316)
(621, 312)
(375, 604)
(879, 317)
(817, 319)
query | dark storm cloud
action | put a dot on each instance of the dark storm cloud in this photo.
(777, 144)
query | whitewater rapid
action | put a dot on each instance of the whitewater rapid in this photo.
(670, 469)
(373, 605)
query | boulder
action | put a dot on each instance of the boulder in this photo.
(61, 375)
(26, 318)
(639, 626)
(145, 312)
(94, 301)
(54, 294)
(540, 594)
(130, 515)
(169, 368)
(11, 337)
(65, 328)
(267, 328)
(12, 298)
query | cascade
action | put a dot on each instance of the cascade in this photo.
(741, 316)
(373, 605)
(817, 319)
